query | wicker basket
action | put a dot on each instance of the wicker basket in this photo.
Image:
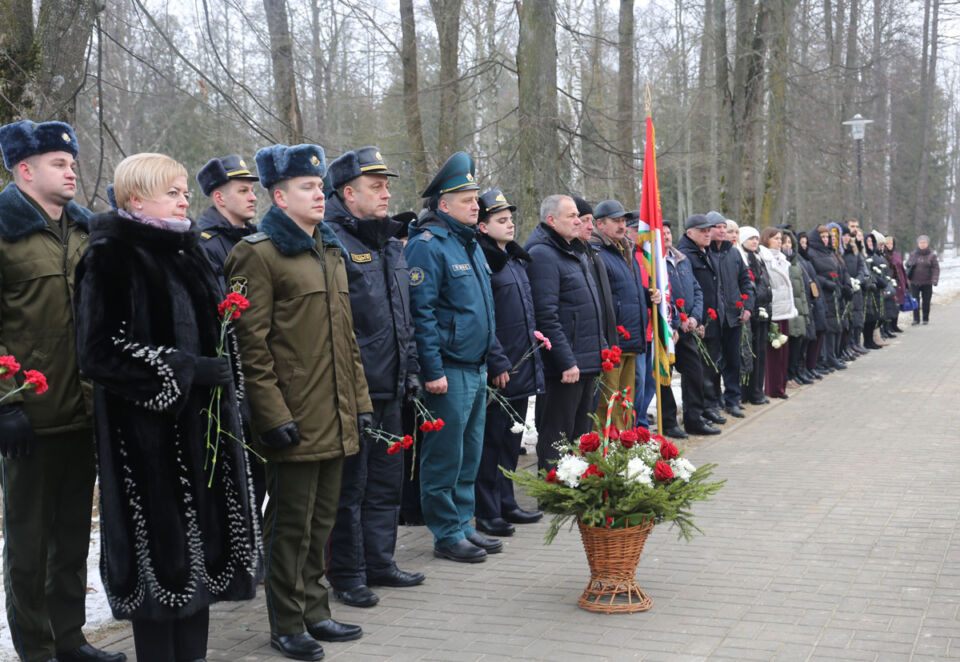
(613, 555)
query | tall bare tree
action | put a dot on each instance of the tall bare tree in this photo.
(411, 93)
(446, 14)
(626, 100)
(284, 78)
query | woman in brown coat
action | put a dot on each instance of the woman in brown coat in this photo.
(923, 271)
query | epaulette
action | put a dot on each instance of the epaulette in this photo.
(256, 237)
(206, 235)
(426, 235)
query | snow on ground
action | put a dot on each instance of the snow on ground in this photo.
(98, 612)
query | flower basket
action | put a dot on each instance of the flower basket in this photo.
(613, 555)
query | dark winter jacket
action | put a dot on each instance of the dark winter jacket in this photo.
(450, 294)
(763, 290)
(923, 267)
(37, 261)
(899, 274)
(146, 303)
(567, 303)
(218, 237)
(599, 271)
(815, 299)
(856, 266)
(705, 273)
(733, 281)
(379, 298)
(797, 326)
(516, 319)
(877, 284)
(683, 286)
(628, 292)
(831, 274)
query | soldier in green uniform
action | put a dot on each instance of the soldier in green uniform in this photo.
(46, 440)
(306, 388)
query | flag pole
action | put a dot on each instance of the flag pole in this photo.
(654, 285)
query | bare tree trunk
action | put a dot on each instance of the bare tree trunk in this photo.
(446, 14)
(723, 105)
(928, 83)
(284, 80)
(537, 167)
(881, 216)
(774, 188)
(411, 94)
(626, 99)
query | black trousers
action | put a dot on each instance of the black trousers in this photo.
(180, 640)
(501, 448)
(796, 354)
(725, 352)
(364, 535)
(923, 293)
(758, 345)
(563, 411)
(689, 364)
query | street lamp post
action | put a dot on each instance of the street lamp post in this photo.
(858, 127)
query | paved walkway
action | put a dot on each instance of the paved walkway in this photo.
(834, 539)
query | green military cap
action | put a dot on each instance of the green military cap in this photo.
(457, 174)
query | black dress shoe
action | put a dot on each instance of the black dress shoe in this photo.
(411, 519)
(674, 432)
(462, 551)
(760, 401)
(714, 416)
(359, 596)
(700, 427)
(396, 578)
(489, 545)
(782, 396)
(496, 526)
(297, 646)
(88, 653)
(331, 630)
(735, 411)
(520, 516)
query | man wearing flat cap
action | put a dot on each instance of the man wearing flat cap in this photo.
(305, 384)
(46, 439)
(453, 312)
(364, 537)
(229, 184)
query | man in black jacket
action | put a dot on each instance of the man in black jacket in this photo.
(734, 302)
(569, 312)
(365, 533)
(229, 185)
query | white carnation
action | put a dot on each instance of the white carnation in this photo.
(650, 452)
(570, 468)
(517, 427)
(639, 472)
(682, 468)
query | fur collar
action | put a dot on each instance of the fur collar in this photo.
(19, 218)
(287, 236)
(112, 225)
(496, 258)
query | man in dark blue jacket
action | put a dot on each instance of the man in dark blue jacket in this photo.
(514, 367)
(364, 536)
(453, 313)
(687, 309)
(735, 296)
(229, 184)
(569, 312)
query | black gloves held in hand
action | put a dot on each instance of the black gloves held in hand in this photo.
(364, 421)
(281, 437)
(16, 433)
(413, 388)
(213, 371)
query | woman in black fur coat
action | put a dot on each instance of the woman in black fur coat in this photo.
(148, 332)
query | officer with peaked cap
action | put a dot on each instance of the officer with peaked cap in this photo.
(306, 388)
(364, 537)
(453, 313)
(229, 184)
(46, 439)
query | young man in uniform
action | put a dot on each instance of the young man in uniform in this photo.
(306, 389)
(46, 439)
(229, 184)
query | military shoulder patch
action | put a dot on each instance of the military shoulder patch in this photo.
(238, 284)
(256, 237)
(426, 235)
(361, 257)
(206, 235)
(416, 276)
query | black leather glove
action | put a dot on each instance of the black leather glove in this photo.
(829, 286)
(413, 388)
(364, 421)
(284, 436)
(16, 433)
(213, 371)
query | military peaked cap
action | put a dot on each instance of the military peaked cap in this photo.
(218, 172)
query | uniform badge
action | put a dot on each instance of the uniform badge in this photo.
(469, 177)
(314, 160)
(426, 235)
(416, 276)
(378, 157)
(460, 267)
(500, 197)
(238, 284)
(66, 137)
(361, 257)
(243, 164)
(206, 235)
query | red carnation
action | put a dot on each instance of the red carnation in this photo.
(407, 441)
(395, 447)
(668, 451)
(739, 304)
(683, 317)
(833, 275)
(661, 471)
(750, 272)
(744, 297)
(233, 305)
(438, 425)
(643, 434)
(605, 354)
(36, 378)
(607, 366)
(589, 442)
(623, 331)
(426, 426)
(593, 471)
(8, 367)
(628, 438)
(681, 303)
(711, 313)
(552, 476)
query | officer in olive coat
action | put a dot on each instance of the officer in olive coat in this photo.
(46, 439)
(306, 389)
(453, 312)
